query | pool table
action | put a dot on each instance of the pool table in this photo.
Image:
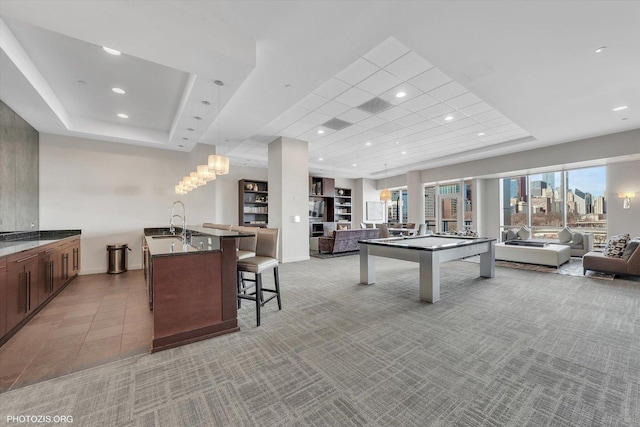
(429, 252)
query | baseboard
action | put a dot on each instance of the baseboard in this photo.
(297, 259)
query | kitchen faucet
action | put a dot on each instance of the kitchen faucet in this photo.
(172, 229)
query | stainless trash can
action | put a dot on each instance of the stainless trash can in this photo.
(117, 258)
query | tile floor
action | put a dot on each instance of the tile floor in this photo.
(96, 319)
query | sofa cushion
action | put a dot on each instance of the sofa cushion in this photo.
(512, 235)
(577, 239)
(616, 245)
(524, 233)
(631, 248)
(565, 235)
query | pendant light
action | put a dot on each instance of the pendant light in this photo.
(218, 165)
(385, 194)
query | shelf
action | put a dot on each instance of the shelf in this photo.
(253, 203)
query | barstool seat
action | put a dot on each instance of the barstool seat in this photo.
(266, 258)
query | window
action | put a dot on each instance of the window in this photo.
(549, 201)
(515, 201)
(430, 208)
(398, 207)
(586, 202)
(547, 195)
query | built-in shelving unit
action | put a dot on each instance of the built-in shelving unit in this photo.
(253, 203)
(327, 204)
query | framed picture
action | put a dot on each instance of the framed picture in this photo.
(375, 211)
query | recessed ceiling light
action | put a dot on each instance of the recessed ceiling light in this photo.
(600, 49)
(320, 159)
(367, 143)
(123, 116)
(118, 90)
(448, 118)
(401, 94)
(354, 164)
(320, 131)
(111, 51)
(481, 134)
(620, 108)
(397, 142)
(404, 152)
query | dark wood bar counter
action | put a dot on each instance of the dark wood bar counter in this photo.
(192, 286)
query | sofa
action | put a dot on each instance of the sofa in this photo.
(580, 243)
(345, 240)
(625, 260)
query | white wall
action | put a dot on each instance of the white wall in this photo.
(623, 178)
(112, 191)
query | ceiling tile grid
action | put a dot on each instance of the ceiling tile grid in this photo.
(433, 115)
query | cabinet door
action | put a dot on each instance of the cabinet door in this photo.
(62, 273)
(75, 257)
(45, 277)
(16, 297)
(31, 285)
(3, 301)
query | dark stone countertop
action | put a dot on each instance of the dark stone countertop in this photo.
(20, 241)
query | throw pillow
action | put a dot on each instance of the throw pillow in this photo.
(524, 233)
(565, 235)
(512, 235)
(631, 248)
(343, 227)
(577, 239)
(616, 245)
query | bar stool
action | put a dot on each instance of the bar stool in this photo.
(266, 258)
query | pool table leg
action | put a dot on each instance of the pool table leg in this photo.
(488, 261)
(367, 266)
(430, 276)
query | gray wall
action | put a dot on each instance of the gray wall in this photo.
(19, 165)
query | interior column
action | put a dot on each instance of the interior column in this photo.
(415, 197)
(288, 177)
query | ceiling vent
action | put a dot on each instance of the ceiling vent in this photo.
(374, 106)
(336, 124)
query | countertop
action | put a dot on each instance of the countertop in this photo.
(199, 239)
(16, 242)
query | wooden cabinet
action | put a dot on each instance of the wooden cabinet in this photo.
(327, 203)
(29, 279)
(3, 296)
(22, 292)
(253, 203)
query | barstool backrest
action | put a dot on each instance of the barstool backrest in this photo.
(217, 226)
(267, 242)
(248, 243)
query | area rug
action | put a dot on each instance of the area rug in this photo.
(571, 268)
(317, 254)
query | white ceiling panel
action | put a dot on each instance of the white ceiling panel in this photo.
(312, 101)
(372, 122)
(354, 97)
(316, 118)
(379, 82)
(387, 128)
(436, 111)
(393, 113)
(448, 91)
(408, 66)
(333, 108)
(427, 124)
(386, 52)
(430, 80)
(332, 88)
(354, 115)
(475, 109)
(465, 100)
(357, 72)
(410, 119)
(420, 103)
(410, 93)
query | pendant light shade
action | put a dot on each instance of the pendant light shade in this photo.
(205, 174)
(219, 165)
(385, 194)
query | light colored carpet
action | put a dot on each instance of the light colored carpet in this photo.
(572, 268)
(522, 349)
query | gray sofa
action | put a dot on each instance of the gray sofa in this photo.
(345, 240)
(580, 243)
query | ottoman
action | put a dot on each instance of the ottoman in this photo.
(551, 255)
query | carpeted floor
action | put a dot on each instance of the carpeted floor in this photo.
(525, 348)
(571, 268)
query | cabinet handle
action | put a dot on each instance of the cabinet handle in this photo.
(26, 258)
(50, 276)
(29, 294)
